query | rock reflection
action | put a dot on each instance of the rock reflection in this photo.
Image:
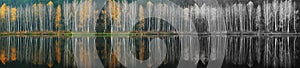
(149, 51)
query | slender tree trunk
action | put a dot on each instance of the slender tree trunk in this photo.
(9, 21)
(295, 18)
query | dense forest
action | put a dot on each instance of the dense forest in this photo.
(120, 16)
(24, 2)
(40, 17)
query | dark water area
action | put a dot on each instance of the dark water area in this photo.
(175, 51)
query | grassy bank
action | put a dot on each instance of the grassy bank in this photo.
(86, 34)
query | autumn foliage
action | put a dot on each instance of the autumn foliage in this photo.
(42, 18)
(3, 11)
(58, 16)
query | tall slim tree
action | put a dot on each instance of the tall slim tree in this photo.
(75, 15)
(241, 17)
(26, 18)
(67, 16)
(90, 15)
(281, 16)
(2, 10)
(35, 14)
(250, 11)
(228, 19)
(289, 12)
(149, 6)
(266, 14)
(58, 18)
(2, 15)
(18, 20)
(141, 17)
(295, 12)
(95, 16)
(258, 18)
(236, 16)
(41, 16)
(275, 12)
(124, 12)
(13, 17)
(50, 13)
(82, 15)
(8, 19)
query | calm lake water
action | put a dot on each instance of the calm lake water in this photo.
(182, 51)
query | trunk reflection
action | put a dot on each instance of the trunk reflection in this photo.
(149, 51)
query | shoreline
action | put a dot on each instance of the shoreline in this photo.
(143, 33)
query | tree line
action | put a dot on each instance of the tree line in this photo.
(268, 17)
(77, 16)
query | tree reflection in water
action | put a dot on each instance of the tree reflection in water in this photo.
(149, 51)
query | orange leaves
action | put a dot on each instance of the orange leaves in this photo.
(3, 57)
(84, 13)
(50, 3)
(2, 11)
(115, 9)
(58, 16)
(50, 65)
(13, 14)
(13, 54)
(57, 51)
(37, 16)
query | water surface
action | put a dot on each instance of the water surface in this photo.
(216, 51)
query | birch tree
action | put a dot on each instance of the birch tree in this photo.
(149, 5)
(275, 12)
(67, 15)
(26, 16)
(241, 14)
(258, 18)
(95, 18)
(50, 13)
(125, 16)
(75, 15)
(236, 16)
(288, 13)
(250, 11)
(35, 14)
(8, 19)
(281, 16)
(266, 15)
(228, 19)
(41, 16)
(295, 12)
